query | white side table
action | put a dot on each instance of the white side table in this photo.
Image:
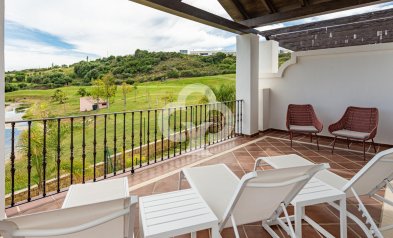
(83, 194)
(316, 192)
(176, 213)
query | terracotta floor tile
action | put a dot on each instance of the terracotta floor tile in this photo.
(344, 163)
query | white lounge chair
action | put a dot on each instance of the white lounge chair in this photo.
(374, 176)
(258, 196)
(110, 218)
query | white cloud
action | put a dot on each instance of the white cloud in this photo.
(115, 27)
(104, 27)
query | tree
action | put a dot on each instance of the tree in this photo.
(105, 88)
(59, 96)
(135, 88)
(125, 88)
(83, 92)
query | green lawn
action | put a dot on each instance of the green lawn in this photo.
(148, 96)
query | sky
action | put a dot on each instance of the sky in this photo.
(44, 32)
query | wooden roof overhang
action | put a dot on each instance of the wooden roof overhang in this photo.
(363, 29)
(248, 14)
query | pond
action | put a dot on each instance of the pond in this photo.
(13, 112)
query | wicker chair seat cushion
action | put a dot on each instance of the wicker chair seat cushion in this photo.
(351, 134)
(310, 129)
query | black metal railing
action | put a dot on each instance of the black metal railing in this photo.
(48, 155)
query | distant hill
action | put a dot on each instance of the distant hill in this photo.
(142, 66)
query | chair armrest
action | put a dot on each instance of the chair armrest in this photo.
(336, 126)
(258, 162)
(129, 209)
(373, 133)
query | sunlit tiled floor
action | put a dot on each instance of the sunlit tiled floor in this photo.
(239, 155)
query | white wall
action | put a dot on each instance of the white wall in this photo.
(247, 47)
(333, 79)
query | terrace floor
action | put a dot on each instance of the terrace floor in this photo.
(239, 155)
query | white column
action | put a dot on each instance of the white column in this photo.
(247, 57)
(2, 114)
(268, 64)
(268, 57)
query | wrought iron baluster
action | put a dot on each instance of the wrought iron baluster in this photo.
(132, 142)
(210, 124)
(105, 147)
(84, 150)
(180, 130)
(221, 120)
(58, 154)
(169, 135)
(205, 131)
(95, 148)
(155, 136)
(162, 134)
(44, 161)
(114, 144)
(124, 142)
(148, 137)
(186, 132)
(12, 158)
(228, 125)
(191, 127)
(29, 161)
(174, 135)
(140, 138)
(196, 127)
(200, 126)
(72, 152)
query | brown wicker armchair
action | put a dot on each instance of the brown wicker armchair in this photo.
(358, 124)
(302, 119)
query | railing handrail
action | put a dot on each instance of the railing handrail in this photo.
(105, 147)
(113, 113)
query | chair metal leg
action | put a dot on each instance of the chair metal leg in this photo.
(375, 148)
(317, 140)
(334, 143)
(364, 150)
(290, 137)
(348, 143)
(311, 137)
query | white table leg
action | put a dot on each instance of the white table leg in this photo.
(298, 220)
(216, 232)
(343, 218)
(193, 234)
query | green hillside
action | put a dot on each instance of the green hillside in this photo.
(142, 66)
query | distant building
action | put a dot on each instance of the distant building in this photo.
(210, 52)
(87, 104)
(184, 52)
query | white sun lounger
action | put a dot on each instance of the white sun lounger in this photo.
(375, 175)
(110, 218)
(258, 196)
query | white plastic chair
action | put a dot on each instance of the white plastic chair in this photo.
(375, 175)
(113, 218)
(258, 196)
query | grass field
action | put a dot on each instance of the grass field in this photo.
(148, 95)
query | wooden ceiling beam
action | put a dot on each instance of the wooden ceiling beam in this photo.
(269, 5)
(308, 11)
(176, 7)
(241, 9)
(304, 3)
